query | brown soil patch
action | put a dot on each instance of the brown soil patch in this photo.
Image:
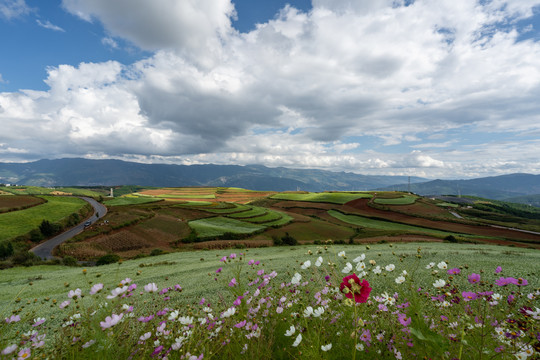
(18, 202)
(361, 207)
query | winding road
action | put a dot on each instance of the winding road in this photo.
(45, 249)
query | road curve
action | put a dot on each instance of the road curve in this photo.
(45, 249)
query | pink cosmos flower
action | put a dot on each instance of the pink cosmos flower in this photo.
(251, 262)
(24, 353)
(38, 322)
(96, 288)
(219, 270)
(223, 259)
(13, 318)
(232, 282)
(404, 320)
(498, 269)
(469, 295)
(454, 271)
(240, 324)
(110, 321)
(474, 278)
(74, 293)
(9, 349)
(360, 290)
(64, 304)
(232, 256)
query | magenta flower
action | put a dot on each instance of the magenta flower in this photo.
(403, 320)
(238, 301)
(223, 259)
(177, 287)
(232, 256)
(232, 282)
(469, 295)
(251, 262)
(454, 271)
(64, 304)
(366, 336)
(38, 322)
(502, 281)
(146, 319)
(498, 269)
(219, 270)
(240, 324)
(474, 278)
(157, 350)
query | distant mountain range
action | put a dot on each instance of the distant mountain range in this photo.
(84, 172)
(523, 188)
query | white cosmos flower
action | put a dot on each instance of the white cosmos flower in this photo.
(326, 347)
(319, 261)
(347, 268)
(308, 312)
(400, 279)
(442, 265)
(341, 253)
(430, 265)
(291, 331)
(360, 266)
(229, 312)
(306, 264)
(359, 258)
(117, 291)
(439, 283)
(151, 287)
(390, 267)
(297, 341)
(377, 270)
(296, 279)
(318, 311)
(360, 347)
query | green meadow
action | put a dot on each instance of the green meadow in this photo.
(15, 223)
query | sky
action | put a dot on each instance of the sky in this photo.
(433, 88)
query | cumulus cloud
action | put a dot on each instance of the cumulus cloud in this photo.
(374, 87)
(194, 28)
(11, 9)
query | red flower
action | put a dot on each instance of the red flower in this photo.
(360, 289)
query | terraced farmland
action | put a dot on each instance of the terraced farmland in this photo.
(329, 197)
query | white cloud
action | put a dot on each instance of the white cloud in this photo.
(48, 25)
(295, 89)
(193, 28)
(110, 42)
(11, 9)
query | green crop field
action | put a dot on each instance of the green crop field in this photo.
(217, 226)
(385, 225)
(403, 200)
(234, 208)
(254, 211)
(326, 197)
(130, 200)
(285, 219)
(20, 222)
(36, 190)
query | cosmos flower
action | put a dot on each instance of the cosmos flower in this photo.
(291, 331)
(474, 278)
(110, 321)
(297, 341)
(347, 269)
(355, 288)
(319, 261)
(296, 279)
(439, 283)
(306, 264)
(390, 267)
(96, 288)
(326, 347)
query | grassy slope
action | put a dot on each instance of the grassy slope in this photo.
(20, 222)
(191, 269)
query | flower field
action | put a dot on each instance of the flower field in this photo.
(405, 301)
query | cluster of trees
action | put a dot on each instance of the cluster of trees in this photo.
(6, 250)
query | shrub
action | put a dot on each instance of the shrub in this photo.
(289, 240)
(451, 238)
(25, 258)
(70, 261)
(277, 241)
(108, 259)
(156, 252)
(49, 229)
